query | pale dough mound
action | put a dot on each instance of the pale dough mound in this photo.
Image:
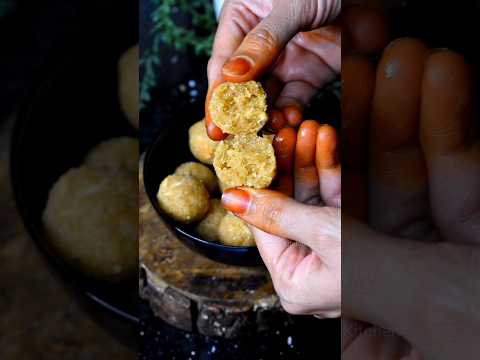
(128, 85)
(116, 154)
(184, 198)
(233, 231)
(239, 108)
(91, 219)
(245, 160)
(200, 172)
(201, 146)
(208, 227)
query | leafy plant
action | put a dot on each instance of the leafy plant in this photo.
(199, 36)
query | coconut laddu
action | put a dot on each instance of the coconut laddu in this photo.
(200, 172)
(239, 108)
(184, 198)
(233, 231)
(245, 160)
(208, 227)
(201, 146)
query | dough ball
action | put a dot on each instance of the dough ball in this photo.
(208, 227)
(201, 146)
(116, 154)
(128, 85)
(184, 198)
(91, 220)
(234, 231)
(200, 172)
(239, 108)
(245, 160)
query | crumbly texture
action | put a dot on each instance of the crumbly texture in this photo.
(184, 198)
(245, 160)
(128, 85)
(208, 227)
(200, 172)
(201, 146)
(233, 231)
(239, 108)
(91, 220)
(117, 154)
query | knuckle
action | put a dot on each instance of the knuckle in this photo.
(262, 40)
(271, 215)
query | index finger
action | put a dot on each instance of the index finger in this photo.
(280, 215)
(228, 38)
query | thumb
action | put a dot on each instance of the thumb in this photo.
(277, 214)
(261, 47)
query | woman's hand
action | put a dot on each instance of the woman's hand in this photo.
(288, 40)
(416, 273)
(299, 240)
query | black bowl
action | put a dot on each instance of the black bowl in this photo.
(168, 151)
(73, 108)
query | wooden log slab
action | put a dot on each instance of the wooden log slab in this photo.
(194, 293)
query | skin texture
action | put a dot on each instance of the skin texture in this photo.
(285, 42)
(365, 29)
(435, 201)
(284, 147)
(358, 83)
(397, 171)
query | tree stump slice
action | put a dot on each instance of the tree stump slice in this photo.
(194, 293)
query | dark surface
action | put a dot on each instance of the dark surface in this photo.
(301, 338)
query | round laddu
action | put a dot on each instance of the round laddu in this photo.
(208, 227)
(245, 160)
(184, 198)
(115, 154)
(200, 172)
(91, 220)
(201, 146)
(233, 231)
(239, 108)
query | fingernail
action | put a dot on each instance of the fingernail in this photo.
(293, 115)
(236, 200)
(236, 67)
(276, 120)
(327, 147)
(214, 132)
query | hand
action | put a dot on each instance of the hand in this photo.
(283, 38)
(299, 240)
(430, 188)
